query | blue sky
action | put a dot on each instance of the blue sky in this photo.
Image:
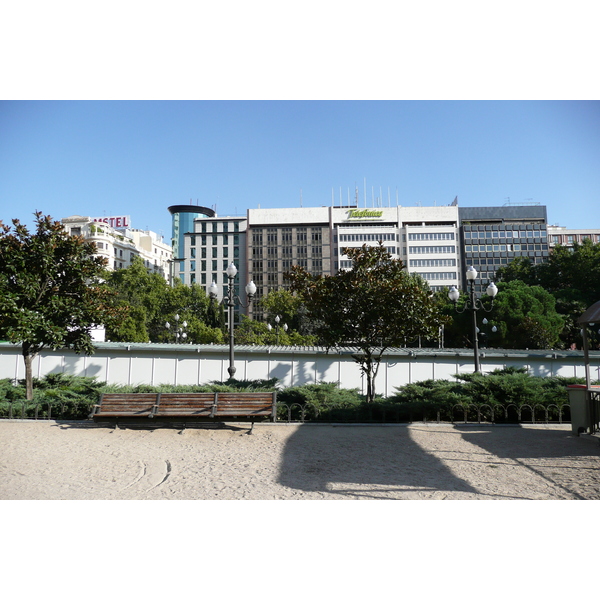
(136, 158)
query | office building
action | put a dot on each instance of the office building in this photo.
(215, 243)
(315, 238)
(491, 237)
(568, 237)
(118, 242)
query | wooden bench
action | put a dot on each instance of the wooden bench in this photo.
(202, 407)
(114, 406)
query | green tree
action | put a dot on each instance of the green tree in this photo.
(284, 304)
(152, 303)
(526, 317)
(571, 275)
(373, 306)
(52, 292)
(145, 294)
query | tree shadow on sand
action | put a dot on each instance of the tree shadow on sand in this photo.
(556, 455)
(364, 462)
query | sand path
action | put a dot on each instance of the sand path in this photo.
(71, 461)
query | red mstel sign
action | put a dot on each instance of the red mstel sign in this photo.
(115, 222)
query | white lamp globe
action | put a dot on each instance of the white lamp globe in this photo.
(231, 271)
(492, 290)
(471, 273)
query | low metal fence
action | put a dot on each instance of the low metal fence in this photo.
(471, 413)
(336, 413)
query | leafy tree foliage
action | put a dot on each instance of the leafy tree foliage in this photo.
(571, 275)
(51, 290)
(257, 333)
(284, 304)
(526, 317)
(373, 306)
(152, 303)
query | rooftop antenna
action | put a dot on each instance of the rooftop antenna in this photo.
(389, 201)
(300, 197)
(355, 195)
(365, 192)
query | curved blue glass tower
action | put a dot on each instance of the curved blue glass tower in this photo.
(183, 222)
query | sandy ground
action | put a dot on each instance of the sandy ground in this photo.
(77, 461)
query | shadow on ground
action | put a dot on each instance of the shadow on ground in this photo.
(364, 462)
(557, 456)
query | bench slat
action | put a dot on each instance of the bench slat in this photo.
(217, 405)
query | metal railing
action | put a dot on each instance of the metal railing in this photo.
(338, 413)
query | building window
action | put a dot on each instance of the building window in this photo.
(214, 252)
(225, 252)
(434, 249)
(421, 237)
(301, 235)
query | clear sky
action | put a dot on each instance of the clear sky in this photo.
(103, 158)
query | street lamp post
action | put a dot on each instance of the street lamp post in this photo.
(474, 304)
(230, 302)
(179, 332)
(484, 334)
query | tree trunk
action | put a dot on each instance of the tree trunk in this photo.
(28, 357)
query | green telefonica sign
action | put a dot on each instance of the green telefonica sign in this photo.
(361, 214)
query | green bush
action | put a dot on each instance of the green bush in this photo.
(507, 392)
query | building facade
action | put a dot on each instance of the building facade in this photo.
(182, 222)
(491, 237)
(426, 239)
(210, 248)
(120, 243)
(438, 243)
(568, 237)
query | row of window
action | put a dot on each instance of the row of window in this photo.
(215, 252)
(437, 276)
(433, 262)
(505, 234)
(432, 250)
(571, 239)
(430, 237)
(506, 248)
(367, 237)
(225, 239)
(236, 227)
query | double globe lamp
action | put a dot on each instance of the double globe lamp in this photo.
(474, 304)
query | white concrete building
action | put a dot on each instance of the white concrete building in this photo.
(425, 238)
(215, 243)
(119, 243)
